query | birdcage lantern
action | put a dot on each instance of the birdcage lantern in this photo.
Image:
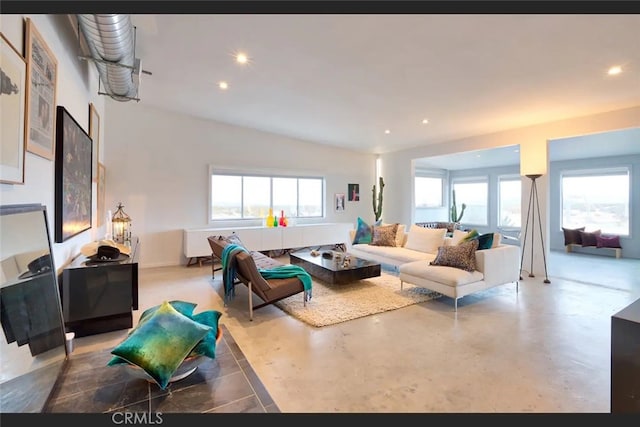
(121, 223)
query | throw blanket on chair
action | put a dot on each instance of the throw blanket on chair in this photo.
(289, 270)
(229, 269)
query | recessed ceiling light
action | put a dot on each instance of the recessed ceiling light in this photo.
(425, 121)
(242, 58)
(615, 70)
(387, 131)
(223, 85)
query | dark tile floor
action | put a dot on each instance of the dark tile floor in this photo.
(227, 383)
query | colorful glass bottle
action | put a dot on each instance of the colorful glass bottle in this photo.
(283, 220)
(270, 218)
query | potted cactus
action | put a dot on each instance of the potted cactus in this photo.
(455, 218)
(377, 200)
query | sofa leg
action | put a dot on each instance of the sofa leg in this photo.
(401, 284)
(250, 303)
(455, 304)
(517, 286)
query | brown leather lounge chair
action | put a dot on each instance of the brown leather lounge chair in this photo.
(246, 270)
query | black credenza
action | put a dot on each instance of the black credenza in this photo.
(625, 360)
(100, 297)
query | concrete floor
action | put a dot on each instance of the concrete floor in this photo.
(545, 348)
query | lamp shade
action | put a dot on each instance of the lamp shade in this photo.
(121, 223)
(533, 159)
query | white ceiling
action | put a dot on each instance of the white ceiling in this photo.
(344, 79)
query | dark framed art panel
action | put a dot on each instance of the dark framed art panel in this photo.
(73, 171)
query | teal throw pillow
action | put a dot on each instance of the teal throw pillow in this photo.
(207, 346)
(485, 241)
(160, 343)
(183, 307)
(364, 232)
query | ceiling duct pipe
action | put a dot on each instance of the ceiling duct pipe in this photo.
(111, 42)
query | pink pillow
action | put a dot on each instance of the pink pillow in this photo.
(608, 241)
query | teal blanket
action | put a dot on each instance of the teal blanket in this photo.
(289, 270)
(229, 269)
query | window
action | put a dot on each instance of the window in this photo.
(428, 192)
(237, 196)
(474, 194)
(509, 195)
(596, 200)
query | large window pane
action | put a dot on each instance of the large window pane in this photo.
(509, 212)
(285, 196)
(596, 202)
(428, 192)
(226, 196)
(310, 198)
(256, 196)
(474, 195)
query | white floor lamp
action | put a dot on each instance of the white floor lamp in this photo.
(531, 212)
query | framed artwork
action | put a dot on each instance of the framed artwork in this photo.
(42, 75)
(94, 134)
(353, 192)
(101, 193)
(339, 202)
(73, 177)
(13, 72)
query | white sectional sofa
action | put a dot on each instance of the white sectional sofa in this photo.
(412, 254)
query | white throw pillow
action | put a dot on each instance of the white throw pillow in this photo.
(402, 230)
(497, 238)
(457, 237)
(425, 239)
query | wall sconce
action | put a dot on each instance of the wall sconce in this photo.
(121, 226)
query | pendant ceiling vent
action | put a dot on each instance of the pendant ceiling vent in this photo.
(111, 42)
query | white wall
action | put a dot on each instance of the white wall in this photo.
(157, 165)
(399, 170)
(77, 86)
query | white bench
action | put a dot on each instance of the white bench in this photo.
(569, 248)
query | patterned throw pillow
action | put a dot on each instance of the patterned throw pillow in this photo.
(364, 233)
(462, 256)
(384, 235)
(572, 236)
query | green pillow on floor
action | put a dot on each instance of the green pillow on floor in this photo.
(160, 343)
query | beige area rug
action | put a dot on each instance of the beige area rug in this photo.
(331, 304)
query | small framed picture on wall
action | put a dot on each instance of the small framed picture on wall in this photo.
(353, 192)
(339, 202)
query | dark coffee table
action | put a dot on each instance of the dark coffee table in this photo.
(332, 271)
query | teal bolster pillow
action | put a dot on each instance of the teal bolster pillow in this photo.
(160, 343)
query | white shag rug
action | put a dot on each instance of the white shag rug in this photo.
(331, 304)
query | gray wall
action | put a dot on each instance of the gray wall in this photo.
(630, 244)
